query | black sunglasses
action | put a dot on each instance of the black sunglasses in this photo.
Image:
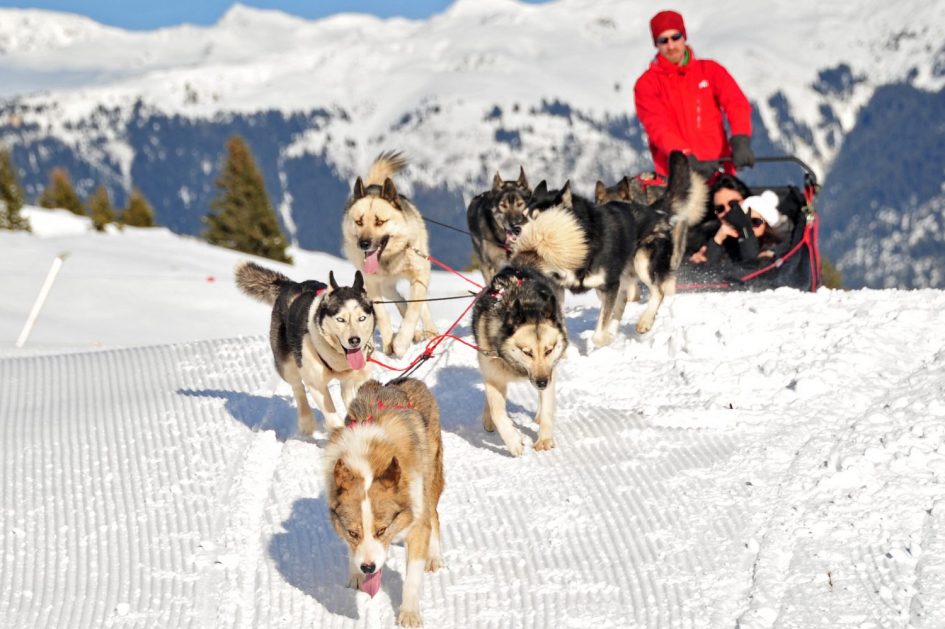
(719, 209)
(757, 222)
(665, 40)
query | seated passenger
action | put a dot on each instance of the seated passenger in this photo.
(741, 237)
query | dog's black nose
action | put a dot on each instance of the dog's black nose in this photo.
(365, 244)
(367, 568)
(541, 383)
(354, 341)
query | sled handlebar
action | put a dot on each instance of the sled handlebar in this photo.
(810, 177)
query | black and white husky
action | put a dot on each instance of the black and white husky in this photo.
(612, 246)
(318, 333)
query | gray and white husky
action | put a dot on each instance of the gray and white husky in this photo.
(495, 218)
(519, 327)
(318, 333)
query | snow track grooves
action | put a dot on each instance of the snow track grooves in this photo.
(113, 479)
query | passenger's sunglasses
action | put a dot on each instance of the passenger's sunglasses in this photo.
(665, 40)
(720, 209)
(757, 222)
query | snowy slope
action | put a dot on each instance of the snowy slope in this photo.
(771, 460)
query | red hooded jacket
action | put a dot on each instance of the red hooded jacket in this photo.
(681, 108)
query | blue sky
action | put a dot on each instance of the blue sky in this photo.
(157, 13)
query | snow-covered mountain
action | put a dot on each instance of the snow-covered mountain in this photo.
(854, 89)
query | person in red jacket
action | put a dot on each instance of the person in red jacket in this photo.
(681, 101)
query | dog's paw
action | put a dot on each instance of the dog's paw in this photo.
(354, 580)
(409, 618)
(433, 564)
(487, 424)
(306, 425)
(545, 443)
(417, 335)
(602, 338)
(516, 447)
(430, 334)
(333, 421)
(399, 347)
(644, 326)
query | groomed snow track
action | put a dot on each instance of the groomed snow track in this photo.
(164, 487)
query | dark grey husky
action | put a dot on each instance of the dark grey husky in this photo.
(519, 328)
(495, 220)
(318, 333)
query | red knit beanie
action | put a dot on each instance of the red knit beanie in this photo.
(664, 21)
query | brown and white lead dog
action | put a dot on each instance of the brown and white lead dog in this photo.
(384, 236)
(384, 480)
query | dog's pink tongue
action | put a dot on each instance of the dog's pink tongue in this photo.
(372, 261)
(372, 583)
(355, 358)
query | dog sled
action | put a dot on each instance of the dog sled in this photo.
(797, 260)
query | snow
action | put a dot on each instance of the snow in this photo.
(760, 460)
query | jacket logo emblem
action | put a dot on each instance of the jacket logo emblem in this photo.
(703, 84)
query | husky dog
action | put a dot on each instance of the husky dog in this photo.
(384, 236)
(317, 333)
(384, 480)
(632, 190)
(519, 327)
(610, 247)
(495, 220)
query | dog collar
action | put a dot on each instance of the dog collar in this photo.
(352, 423)
(320, 291)
(381, 405)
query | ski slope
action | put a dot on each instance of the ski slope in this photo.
(757, 460)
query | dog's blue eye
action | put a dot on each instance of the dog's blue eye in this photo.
(340, 319)
(362, 317)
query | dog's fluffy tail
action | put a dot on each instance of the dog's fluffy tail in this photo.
(686, 191)
(686, 196)
(556, 238)
(259, 282)
(385, 166)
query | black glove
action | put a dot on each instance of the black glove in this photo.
(736, 217)
(742, 155)
(706, 169)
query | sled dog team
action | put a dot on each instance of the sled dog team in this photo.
(384, 459)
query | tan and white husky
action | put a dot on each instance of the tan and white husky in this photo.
(384, 477)
(384, 236)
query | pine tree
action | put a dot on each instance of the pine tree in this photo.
(11, 196)
(59, 193)
(100, 209)
(245, 220)
(830, 275)
(139, 212)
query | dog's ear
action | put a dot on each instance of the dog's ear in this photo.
(600, 192)
(344, 477)
(496, 181)
(565, 196)
(389, 193)
(522, 181)
(391, 476)
(331, 280)
(542, 188)
(358, 191)
(624, 188)
(358, 282)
